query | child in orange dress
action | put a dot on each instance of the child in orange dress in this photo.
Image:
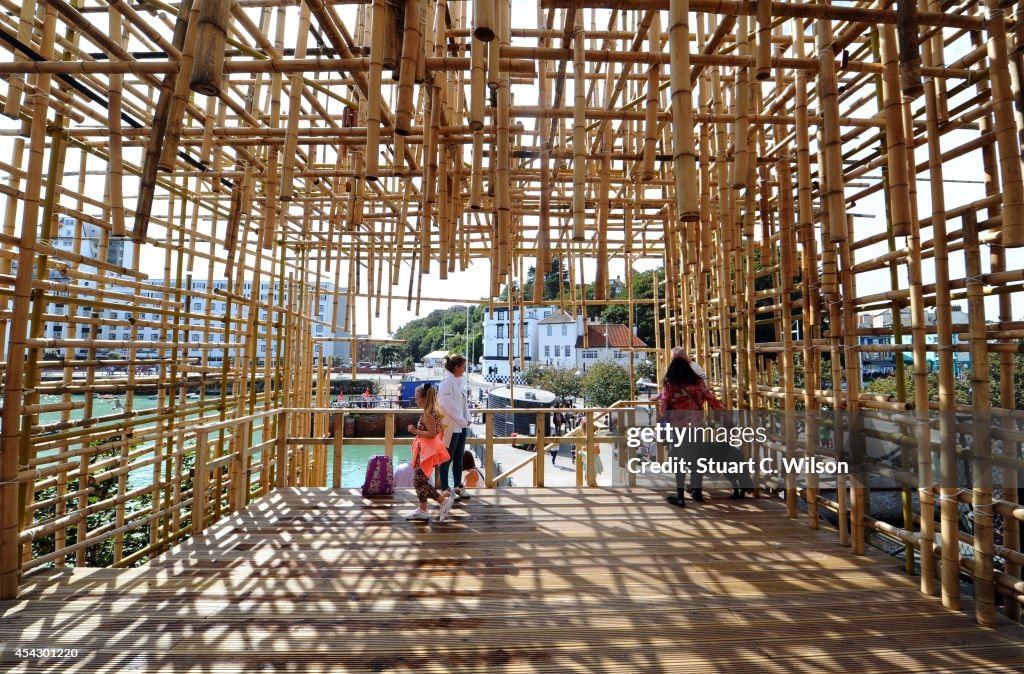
(427, 453)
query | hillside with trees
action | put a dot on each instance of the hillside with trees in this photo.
(427, 334)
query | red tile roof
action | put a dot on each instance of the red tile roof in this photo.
(619, 337)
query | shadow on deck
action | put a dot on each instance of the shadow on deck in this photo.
(553, 580)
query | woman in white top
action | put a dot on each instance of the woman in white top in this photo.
(454, 407)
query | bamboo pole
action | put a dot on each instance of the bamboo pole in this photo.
(411, 46)
(211, 39)
(579, 141)
(684, 157)
(373, 101)
(1006, 141)
(12, 495)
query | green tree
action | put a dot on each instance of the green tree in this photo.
(427, 334)
(605, 383)
(616, 313)
(563, 382)
(389, 354)
(534, 374)
(890, 387)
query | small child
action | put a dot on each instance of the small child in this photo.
(427, 453)
(471, 476)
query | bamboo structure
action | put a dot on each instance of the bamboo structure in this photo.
(205, 204)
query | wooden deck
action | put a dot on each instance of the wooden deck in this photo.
(551, 580)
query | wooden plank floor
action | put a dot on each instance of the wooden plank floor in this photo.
(526, 580)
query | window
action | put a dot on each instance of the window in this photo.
(565, 329)
(501, 331)
(197, 306)
(547, 351)
(557, 351)
(549, 331)
(590, 354)
(501, 351)
(619, 355)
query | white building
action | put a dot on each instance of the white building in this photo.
(557, 338)
(118, 324)
(605, 341)
(434, 358)
(881, 364)
(549, 337)
(205, 328)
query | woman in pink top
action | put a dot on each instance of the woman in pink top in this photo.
(681, 403)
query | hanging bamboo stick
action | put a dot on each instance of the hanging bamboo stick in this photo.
(579, 142)
(211, 39)
(684, 156)
(411, 48)
(484, 20)
(908, 30)
(373, 101)
(647, 172)
(741, 100)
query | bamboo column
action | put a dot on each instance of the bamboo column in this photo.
(1006, 140)
(984, 544)
(13, 495)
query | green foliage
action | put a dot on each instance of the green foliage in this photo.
(605, 383)
(390, 354)
(357, 386)
(551, 285)
(563, 382)
(995, 379)
(964, 389)
(427, 334)
(889, 386)
(643, 314)
(534, 374)
(52, 354)
(615, 313)
(101, 554)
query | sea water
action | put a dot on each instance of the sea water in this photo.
(354, 458)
